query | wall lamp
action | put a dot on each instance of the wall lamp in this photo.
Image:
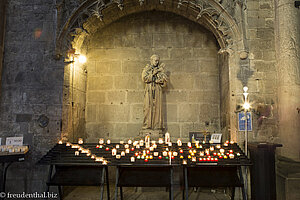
(297, 4)
(76, 57)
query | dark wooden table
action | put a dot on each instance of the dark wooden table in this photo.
(6, 159)
(148, 169)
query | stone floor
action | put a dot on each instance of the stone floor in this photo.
(91, 193)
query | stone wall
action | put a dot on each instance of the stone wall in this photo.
(117, 55)
(262, 84)
(202, 87)
(74, 100)
(288, 65)
(32, 82)
(2, 33)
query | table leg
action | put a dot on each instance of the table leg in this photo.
(117, 180)
(232, 193)
(171, 180)
(186, 184)
(102, 183)
(242, 181)
(107, 183)
(49, 177)
(3, 175)
(121, 193)
(60, 192)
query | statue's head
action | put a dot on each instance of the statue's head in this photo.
(154, 60)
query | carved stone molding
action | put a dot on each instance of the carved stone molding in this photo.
(209, 13)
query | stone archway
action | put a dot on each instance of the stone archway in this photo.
(92, 15)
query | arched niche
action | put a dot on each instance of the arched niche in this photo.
(91, 16)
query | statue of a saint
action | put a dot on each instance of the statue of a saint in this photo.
(155, 79)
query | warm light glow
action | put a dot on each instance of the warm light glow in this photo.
(167, 138)
(82, 59)
(114, 152)
(246, 106)
(160, 141)
(245, 89)
(80, 141)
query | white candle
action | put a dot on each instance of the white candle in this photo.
(118, 156)
(212, 148)
(132, 159)
(123, 153)
(80, 141)
(98, 159)
(117, 146)
(175, 153)
(160, 141)
(222, 151)
(126, 146)
(189, 144)
(68, 144)
(147, 141)
(101, 141)
(129, 141)
(60, 142)
(167, 137)
(165, 153)
(151, 148)
(104, 162)
(231, 156)
(170, 144)
(141, 143)
(207, 151)
(121, 142)
(184, 162)
(75, 146)
(155, 153)
(107, 141)
(114, 152)
(127, 150)
(76, 153)
(85, 151)
(179, 143)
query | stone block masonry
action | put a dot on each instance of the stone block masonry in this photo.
(116, 63)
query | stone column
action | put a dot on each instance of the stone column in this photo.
(2, 32)
(287, 33)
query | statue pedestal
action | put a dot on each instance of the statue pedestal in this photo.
(154, 134)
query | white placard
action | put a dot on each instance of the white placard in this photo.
(18, 141)
(216, 137)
